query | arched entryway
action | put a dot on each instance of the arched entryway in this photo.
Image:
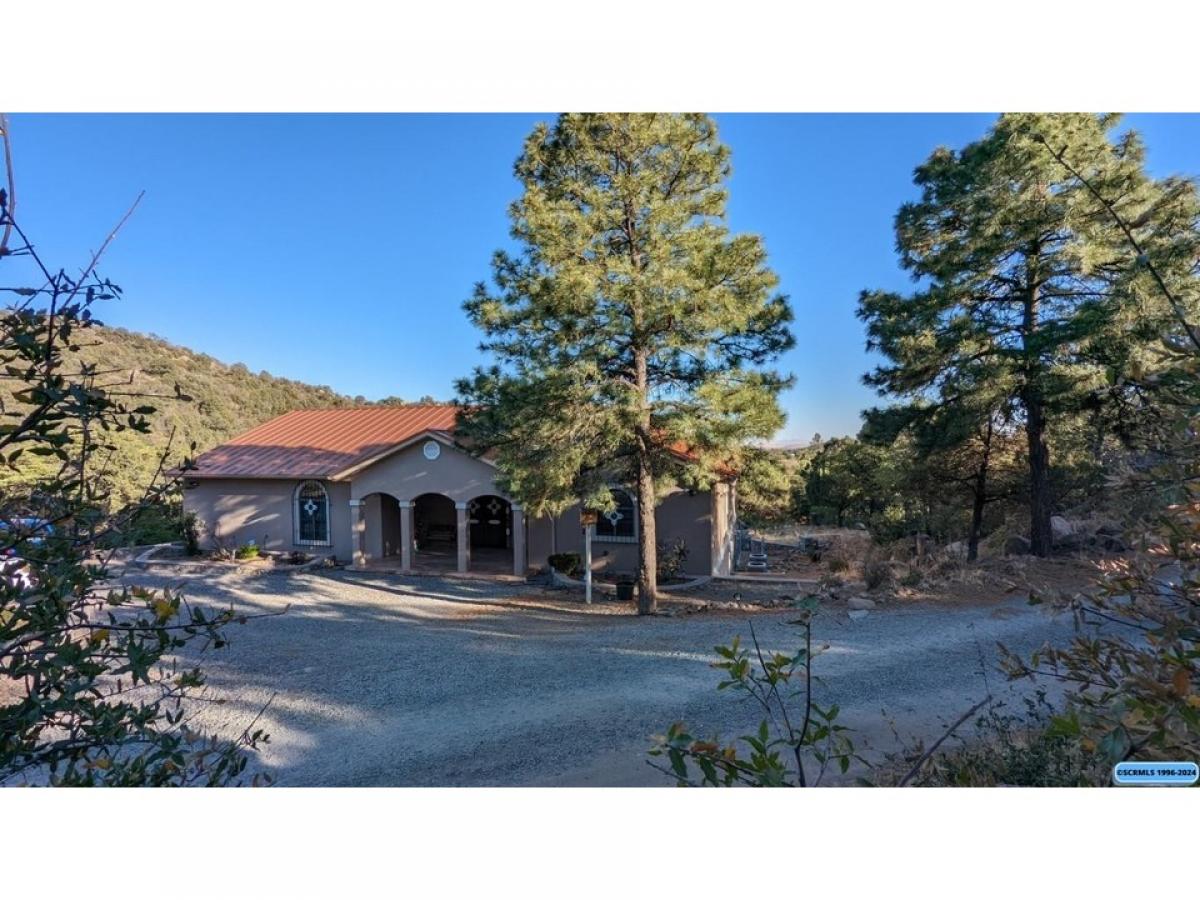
(384, 529)
(433, 532)
(435, 541)
(490, 532)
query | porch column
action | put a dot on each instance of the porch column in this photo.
(358, 534)
(406, 534)
(464, 536)
(518, 540)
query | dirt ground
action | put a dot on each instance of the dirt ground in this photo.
(936, 579)
(374, 679)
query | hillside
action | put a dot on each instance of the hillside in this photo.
(225, 400)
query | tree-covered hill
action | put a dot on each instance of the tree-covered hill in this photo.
(224, 400)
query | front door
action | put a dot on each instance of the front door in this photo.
(489, 521)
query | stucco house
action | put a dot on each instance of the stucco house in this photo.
(389, 486)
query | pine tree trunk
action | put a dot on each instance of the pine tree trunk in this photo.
(647, 538)
(979, 500)
(976, 526)
(647, 575)
(1040, 535)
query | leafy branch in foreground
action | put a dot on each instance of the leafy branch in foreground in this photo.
(89, 694)
(1135, 682)
(792, 747)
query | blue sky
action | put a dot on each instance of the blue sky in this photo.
(338, 249)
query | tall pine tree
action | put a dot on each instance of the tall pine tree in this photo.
(631, 326)
(1026, 280)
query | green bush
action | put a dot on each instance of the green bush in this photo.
(247, 551)
(1028, 750)
(797, 740)
(671, 558)
(138, 524)
(193, 530)
(570, 564)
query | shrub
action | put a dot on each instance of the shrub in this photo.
(98, 695)
(671, 558)
(1134, 692)
(570, 564)
(247, 551)
(144, 522)
(193, 530)
(792, 747)
(877, 573)
(1014, 750)
(837, 563)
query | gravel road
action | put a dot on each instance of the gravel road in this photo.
(387, 680)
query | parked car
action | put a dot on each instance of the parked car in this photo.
(36, 530)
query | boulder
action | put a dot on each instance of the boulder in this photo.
(1073, 543)
(1016, 546)
(1061, 528)
(860, 603)
(858, 614)
(957, 550)
(1112, 543)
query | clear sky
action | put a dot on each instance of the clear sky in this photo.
(338, 249)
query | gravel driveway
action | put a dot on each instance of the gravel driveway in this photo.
(388, 680)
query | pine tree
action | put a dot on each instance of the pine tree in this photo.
(630, 327)
(1026, 282)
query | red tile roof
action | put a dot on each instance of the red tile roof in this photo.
(321, 443)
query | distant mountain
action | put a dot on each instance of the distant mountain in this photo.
(225, 400)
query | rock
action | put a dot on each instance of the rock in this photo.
(1060, 528)
(1110, 529)
(858, 614)
(860, 603)
(957, 550)
(1016, 546)
(1072, 543)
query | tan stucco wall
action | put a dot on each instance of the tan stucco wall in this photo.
(261, 510)
(724, 518)
(679, 515)
(390, 526)
(408, 474)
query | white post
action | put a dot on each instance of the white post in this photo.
(587, 564)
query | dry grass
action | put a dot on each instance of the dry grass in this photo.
(997, 578)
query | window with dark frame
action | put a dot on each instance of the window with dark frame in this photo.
(312, 514)
(619, 523)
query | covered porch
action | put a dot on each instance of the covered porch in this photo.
(434, 534)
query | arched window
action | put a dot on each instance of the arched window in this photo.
(619, 524)
(312, 513)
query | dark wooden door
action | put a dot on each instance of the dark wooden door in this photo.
(489, 518)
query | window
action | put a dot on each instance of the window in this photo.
(312, 514)
(619, 524)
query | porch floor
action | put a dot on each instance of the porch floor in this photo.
(443, 560)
